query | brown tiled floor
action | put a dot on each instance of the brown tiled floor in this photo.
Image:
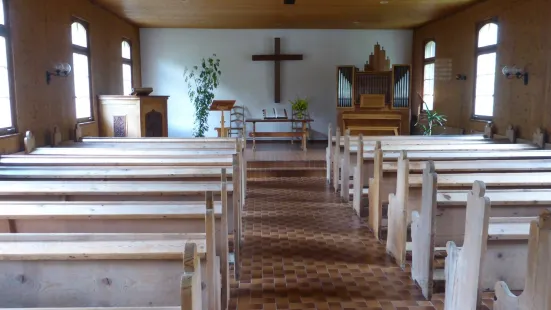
(304, 249)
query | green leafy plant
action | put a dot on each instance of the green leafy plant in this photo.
(434, 120)
(300, 105)
(202, 81)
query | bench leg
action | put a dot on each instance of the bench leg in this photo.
(304, 136)
(254, 136)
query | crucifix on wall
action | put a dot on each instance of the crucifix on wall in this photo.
(277, 57)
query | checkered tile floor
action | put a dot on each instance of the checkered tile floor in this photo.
(304, 249)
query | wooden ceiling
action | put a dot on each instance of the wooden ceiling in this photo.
(307, 14)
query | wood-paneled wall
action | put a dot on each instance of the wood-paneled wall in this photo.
(41, 37)
(524, 40)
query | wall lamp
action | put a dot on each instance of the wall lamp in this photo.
(461, 77)
(514, 72)
(60, 70)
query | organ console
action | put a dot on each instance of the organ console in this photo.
(375, 101)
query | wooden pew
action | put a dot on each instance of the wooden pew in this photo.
(493, 254)
(343, 168)
(150, 173)
(97, 191)
(436, 225)
(391, 151)
(145, 147)
(538, 275)
(60, 171)
(164, 165)
(106, 270)
(335, 150)
(190, 287)
(397, 174)
(108, 217)
(79, 137)
(385, 182)
(529, 200)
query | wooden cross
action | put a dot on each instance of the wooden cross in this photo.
(277, 57)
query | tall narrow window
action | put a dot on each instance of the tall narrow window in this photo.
(486, 54)
(428, 75)
(126, 67)
(81, 70)
(7, 107)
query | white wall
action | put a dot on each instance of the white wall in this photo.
(167, 52)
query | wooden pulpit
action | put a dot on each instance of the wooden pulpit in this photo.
(133, 116)
(222, 106)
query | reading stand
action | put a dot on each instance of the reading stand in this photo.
(222, 105)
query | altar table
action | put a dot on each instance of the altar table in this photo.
(304, 133)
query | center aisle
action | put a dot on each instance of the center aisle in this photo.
(304, 249)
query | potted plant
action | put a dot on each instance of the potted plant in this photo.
(299, 106)
(434, 120)
(202, 81)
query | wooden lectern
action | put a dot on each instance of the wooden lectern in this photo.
(133, 116)
(222, 106)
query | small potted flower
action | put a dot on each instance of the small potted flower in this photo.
(300, 106)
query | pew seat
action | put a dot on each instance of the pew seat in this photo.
(60, 160)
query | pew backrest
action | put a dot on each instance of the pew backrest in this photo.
(513, 179)
(114, 172)
(476, 166)
(113, 210)
(452, 147)
(538, 276)
(464, 155)
(511, 197)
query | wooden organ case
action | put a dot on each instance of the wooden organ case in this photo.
(375, 101)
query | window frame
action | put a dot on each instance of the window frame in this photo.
(478, 51)
(427, 61)
(129, 62)
(5, 31)
(88, 53)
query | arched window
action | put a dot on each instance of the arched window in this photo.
(7, 103)
(81, 70)
(428, 75)
(486, 59)
(126, 67)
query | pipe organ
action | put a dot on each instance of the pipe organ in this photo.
(375, 101)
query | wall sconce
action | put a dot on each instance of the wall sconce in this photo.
(461, 77)
(514, 72)
(60, 70)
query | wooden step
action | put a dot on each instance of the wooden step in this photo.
(291, 163)
(287, 172)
